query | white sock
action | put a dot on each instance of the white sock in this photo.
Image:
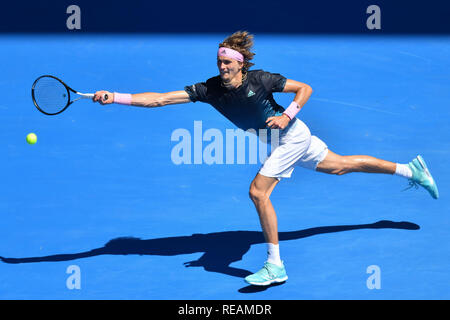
(273, 254)
(403, 170)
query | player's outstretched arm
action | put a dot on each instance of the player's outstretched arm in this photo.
(147, 99)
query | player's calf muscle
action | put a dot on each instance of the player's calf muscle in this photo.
(340, 165)
(371, 164)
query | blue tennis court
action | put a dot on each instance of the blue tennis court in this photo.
(97, 208)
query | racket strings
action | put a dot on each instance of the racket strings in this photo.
(50, 95)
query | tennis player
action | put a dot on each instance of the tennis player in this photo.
(245, 97)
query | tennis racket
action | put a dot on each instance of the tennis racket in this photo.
(52, 96)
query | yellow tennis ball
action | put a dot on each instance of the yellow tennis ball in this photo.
(31, 138)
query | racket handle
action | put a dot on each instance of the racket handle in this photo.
(91, 95)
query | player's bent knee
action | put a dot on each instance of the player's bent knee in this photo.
(335, 164)
(257, 195)
(339, 171)
(344, 166)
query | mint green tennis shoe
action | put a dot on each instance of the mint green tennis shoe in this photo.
(422, 176)
(269, 274)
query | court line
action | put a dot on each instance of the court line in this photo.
(355, 105)
(415, 56)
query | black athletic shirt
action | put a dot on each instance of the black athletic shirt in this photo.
(247, 106)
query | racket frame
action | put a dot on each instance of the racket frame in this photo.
(69, 89)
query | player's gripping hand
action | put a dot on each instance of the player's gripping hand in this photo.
(278, 122)
(103, 97)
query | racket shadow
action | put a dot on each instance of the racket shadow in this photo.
(220, 249)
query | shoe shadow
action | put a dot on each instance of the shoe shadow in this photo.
(220, 249)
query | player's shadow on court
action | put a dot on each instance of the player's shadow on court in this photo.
(220, 249)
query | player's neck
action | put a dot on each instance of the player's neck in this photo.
(235, 82)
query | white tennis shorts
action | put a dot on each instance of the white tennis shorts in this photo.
(296, 148)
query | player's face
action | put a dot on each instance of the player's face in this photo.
(228, 68)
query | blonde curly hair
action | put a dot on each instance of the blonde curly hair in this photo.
(241, 41)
